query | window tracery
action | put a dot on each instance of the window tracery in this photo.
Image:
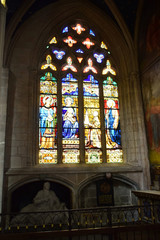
(78, 62)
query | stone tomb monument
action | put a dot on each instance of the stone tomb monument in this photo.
(46, 208)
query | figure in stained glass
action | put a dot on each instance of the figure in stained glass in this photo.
(113, 133)
(94, 133)
(47, 123)
(75, 59)
(70, 123)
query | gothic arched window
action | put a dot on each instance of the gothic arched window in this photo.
(79, 108)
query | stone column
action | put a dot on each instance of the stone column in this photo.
(138, 128)
(3, 97)
(2, 31)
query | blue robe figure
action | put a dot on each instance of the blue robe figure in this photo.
(115, 134)
(70, 123)
(47, 124)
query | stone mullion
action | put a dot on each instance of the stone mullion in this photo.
(103, 135)
(81, 118)
(59, 119)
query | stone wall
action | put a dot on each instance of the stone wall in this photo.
(24, 57)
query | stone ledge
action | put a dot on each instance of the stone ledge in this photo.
(76, 168)
(149, 194)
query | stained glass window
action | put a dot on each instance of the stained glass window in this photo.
(112, 121)
(48, 119)
(92, 123)
(78, 101)
(70, 120)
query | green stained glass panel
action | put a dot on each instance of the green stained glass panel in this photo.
(110, 88)
(48, 84)
(93, 156)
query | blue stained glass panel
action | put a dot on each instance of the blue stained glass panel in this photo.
(92, 33)
(79, 51)
(69, 85)
(70, 121)
(90, 87)
(59, 54)
(99, 57)
(65, 30)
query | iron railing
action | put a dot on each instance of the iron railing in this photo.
(81, 218)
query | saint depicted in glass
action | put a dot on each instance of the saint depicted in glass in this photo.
(70, 124)
(112, 121)
(92, 120)
(48, 119)
(76, 69)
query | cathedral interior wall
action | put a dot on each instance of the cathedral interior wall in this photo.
(22, 118)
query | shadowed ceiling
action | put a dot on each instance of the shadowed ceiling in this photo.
(127, 8)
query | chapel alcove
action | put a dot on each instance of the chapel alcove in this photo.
(115, 191)
(24, 195)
